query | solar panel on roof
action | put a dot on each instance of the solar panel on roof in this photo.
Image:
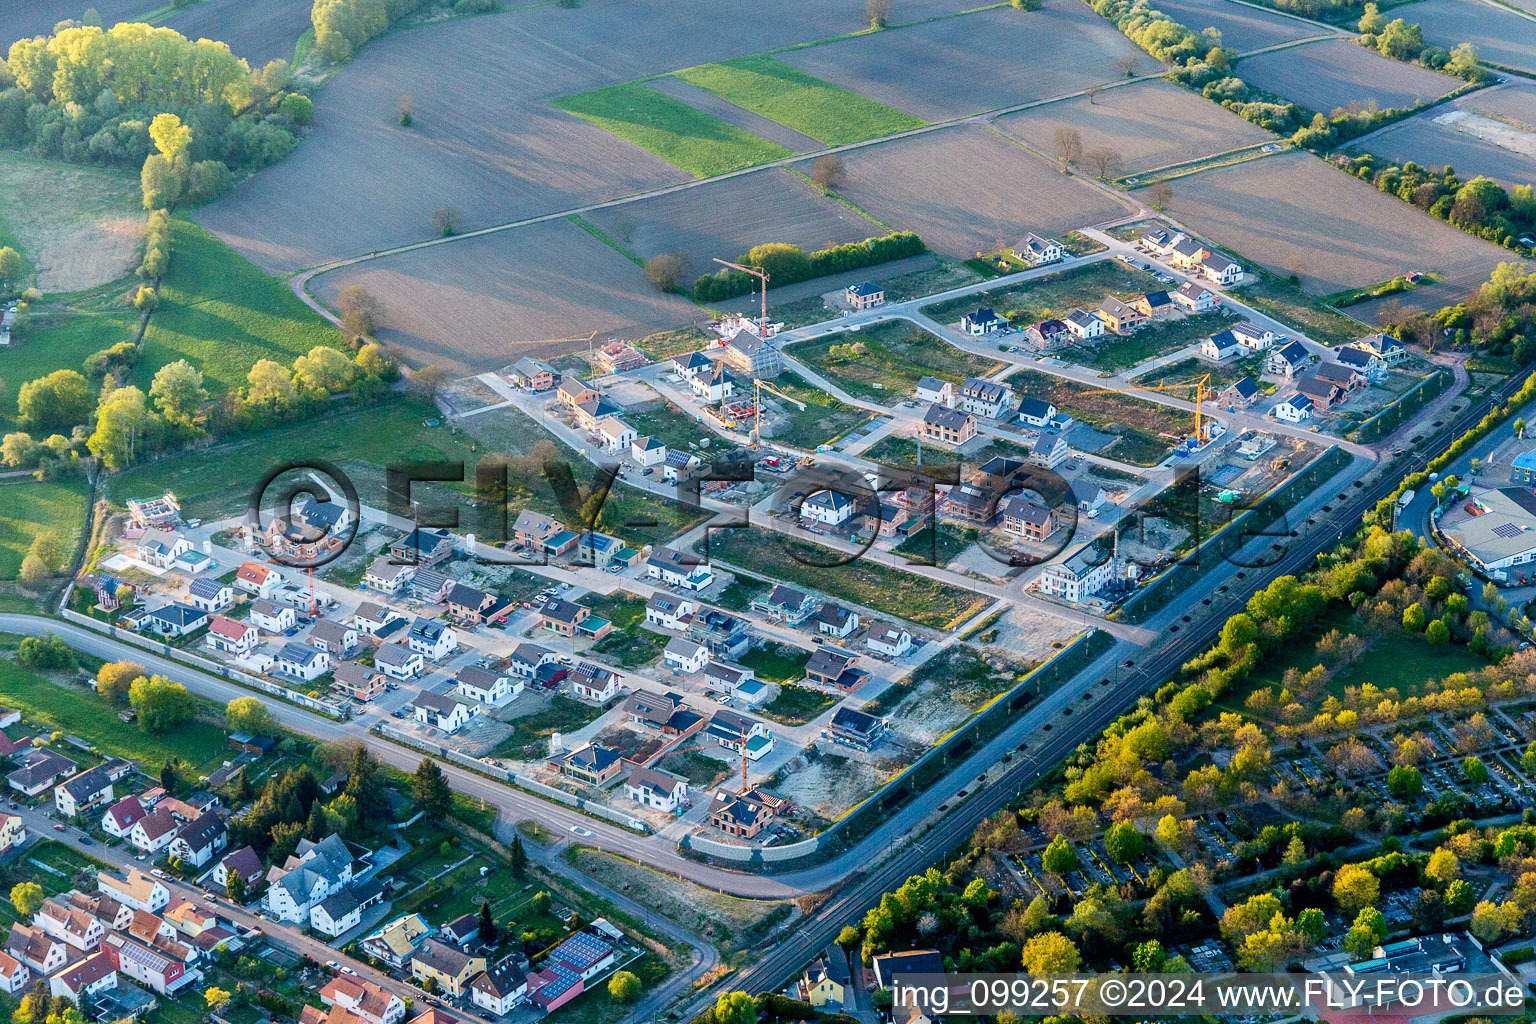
(1506, 530)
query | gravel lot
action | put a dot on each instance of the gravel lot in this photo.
(258, 32)
(960, 66)
(482, 303)
(1292, 212)
(727, 218)
(966, 189)
(1150, 124)
(1334, 73)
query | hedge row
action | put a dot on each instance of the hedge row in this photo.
(789, 264)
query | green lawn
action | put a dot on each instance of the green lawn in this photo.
(796, 705)
(1222, 374)
(893, 355)
(683, 136)
(363, 441)
(674, 428)
(60, 340)
(1053, 295)
(1119, 352)
(809, 105)
(740, 593)
(924, 548)
(222, 314)
(55, 707)
(562, 715)
(631, 646)
(889, 591)
(699, 769)
(30, 507)
(823, 419)
(776, 662)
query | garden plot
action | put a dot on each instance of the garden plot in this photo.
(77, 226)
(258, 32)
(1295, 214)
(958, 66)
(967, 189)
(484, 302)
(1336, 73)
(486, 139)
(1149, 124)
(1500, 36)
(1242, 26)
(1492, 134)
(726, 218)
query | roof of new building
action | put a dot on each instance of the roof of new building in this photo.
(855, 721)
(1035, 408)
(206, 587)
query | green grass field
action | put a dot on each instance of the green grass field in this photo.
(685, 137)
(893, 355)
(809, 105)
(1147, 430)
(363, 441)
(222, 314)
(562, 715)
(60, 341)
(775, 662)
(1052, 295)
(796, 705)
(30, 507)
(81, 712)
(901, 452)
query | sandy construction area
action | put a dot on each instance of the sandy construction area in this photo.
(1465, 138)
(1500, 36)
(960, 66)
(481, 303)
(486, 139)
(1241, 27)
(1293, 213)
(79, 226)
(727, 218)
(259, 32)
(1335, 73)
(1150, 124)
(968, 189)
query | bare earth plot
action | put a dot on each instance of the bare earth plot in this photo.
(709, 103)
(485, 138)
(78, 226)
(258, 32)
(1464, 137)
(967, 189)
(1292, 212)
(1502, 37)
(727, 218)
(1241, 27)
(1150, 124)
(959, 66)
(482, 303)
(23, 19)
(1335, 73)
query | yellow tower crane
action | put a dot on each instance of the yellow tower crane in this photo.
(1202, 386)
(758, 387)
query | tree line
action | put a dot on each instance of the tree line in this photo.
(90, 95)
(788, 264)
(1479, 206)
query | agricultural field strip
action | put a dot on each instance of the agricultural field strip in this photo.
(300, 281)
